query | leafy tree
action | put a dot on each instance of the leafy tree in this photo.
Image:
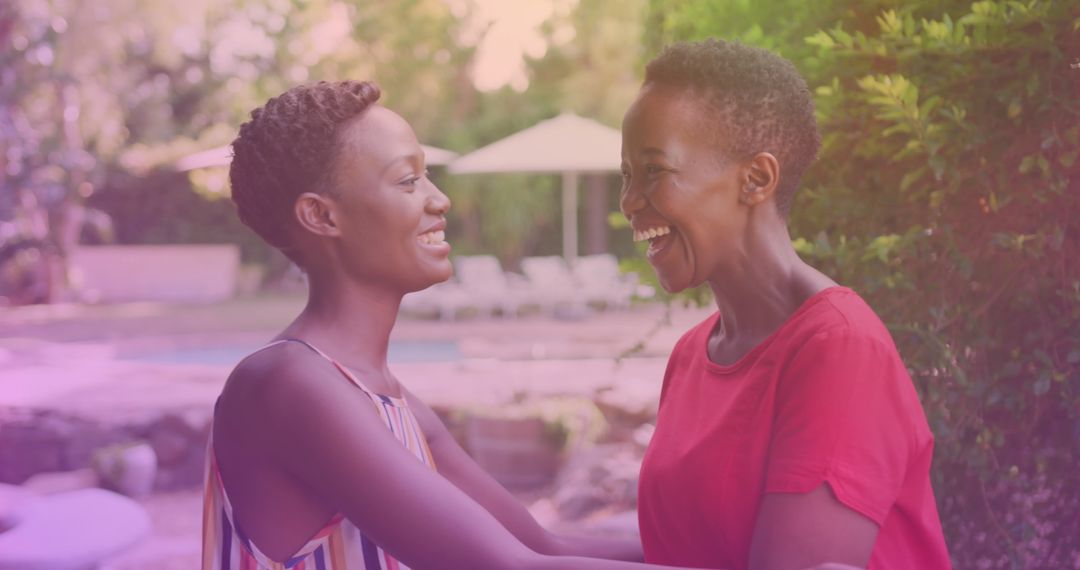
(170, 80)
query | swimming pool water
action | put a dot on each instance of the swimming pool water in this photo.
(400, 351)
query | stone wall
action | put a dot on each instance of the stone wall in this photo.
(37, 441)
(599, 475)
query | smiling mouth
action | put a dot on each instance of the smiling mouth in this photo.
(658, 237)
(651, 233)
(437, 237)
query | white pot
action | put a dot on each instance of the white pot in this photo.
(129, 468)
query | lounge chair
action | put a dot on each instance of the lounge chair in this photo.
(551, 275)
(486, 287)
(442, 299)
(602, 282)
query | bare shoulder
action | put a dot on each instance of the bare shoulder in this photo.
(272, 372)
(275, 386)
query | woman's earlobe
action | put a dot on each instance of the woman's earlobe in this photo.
(751, 194)
(762, 179)
(316, 214)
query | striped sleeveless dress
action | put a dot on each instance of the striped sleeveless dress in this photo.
(337, 546)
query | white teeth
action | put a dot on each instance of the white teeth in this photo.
(642, 235)
(432, 238)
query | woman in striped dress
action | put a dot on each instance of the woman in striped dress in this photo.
(319, 458)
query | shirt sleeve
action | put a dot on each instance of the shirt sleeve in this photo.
(843, 417)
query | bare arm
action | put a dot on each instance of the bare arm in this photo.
(325, 433)
(795, 531)
(457, 466)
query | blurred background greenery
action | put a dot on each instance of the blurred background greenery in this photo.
(946, 192)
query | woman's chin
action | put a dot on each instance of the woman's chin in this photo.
(433, 278)
(445, 273)
(673, 284)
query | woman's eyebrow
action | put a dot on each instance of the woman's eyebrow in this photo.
(415, 158)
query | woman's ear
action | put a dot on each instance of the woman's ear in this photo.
(761, 179)
(317, 214)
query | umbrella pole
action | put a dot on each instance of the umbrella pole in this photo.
(569, 216)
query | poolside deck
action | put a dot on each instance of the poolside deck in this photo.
(82, 362)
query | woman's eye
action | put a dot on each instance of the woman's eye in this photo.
(413, 180)
(653, 169)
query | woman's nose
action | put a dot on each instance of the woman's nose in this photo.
(438, 202)
(630, 200)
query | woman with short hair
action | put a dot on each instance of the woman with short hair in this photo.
(789, 433)
(319, 458)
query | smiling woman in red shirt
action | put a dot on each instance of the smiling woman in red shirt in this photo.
(789, 433)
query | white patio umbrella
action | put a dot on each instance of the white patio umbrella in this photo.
(222, 156)
(567, 144)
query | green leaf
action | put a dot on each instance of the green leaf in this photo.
(912, 177)
(1026, 164)
(821, 39)
(896, 129)
(802, 247)
(843, 37)
(929, 105)
(890, 23)
(617, 221)
(937, 197)
(1069, 158)
(910, 97)
(1044, 165)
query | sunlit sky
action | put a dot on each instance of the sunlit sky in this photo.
(511, 31)
(514, 32)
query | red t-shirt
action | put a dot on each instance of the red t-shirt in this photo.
(825, 398)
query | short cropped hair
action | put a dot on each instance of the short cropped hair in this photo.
(289, 147)
(758, 100)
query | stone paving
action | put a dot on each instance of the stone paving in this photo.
(74, 363)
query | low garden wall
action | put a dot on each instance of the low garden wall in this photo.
(178, 273)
